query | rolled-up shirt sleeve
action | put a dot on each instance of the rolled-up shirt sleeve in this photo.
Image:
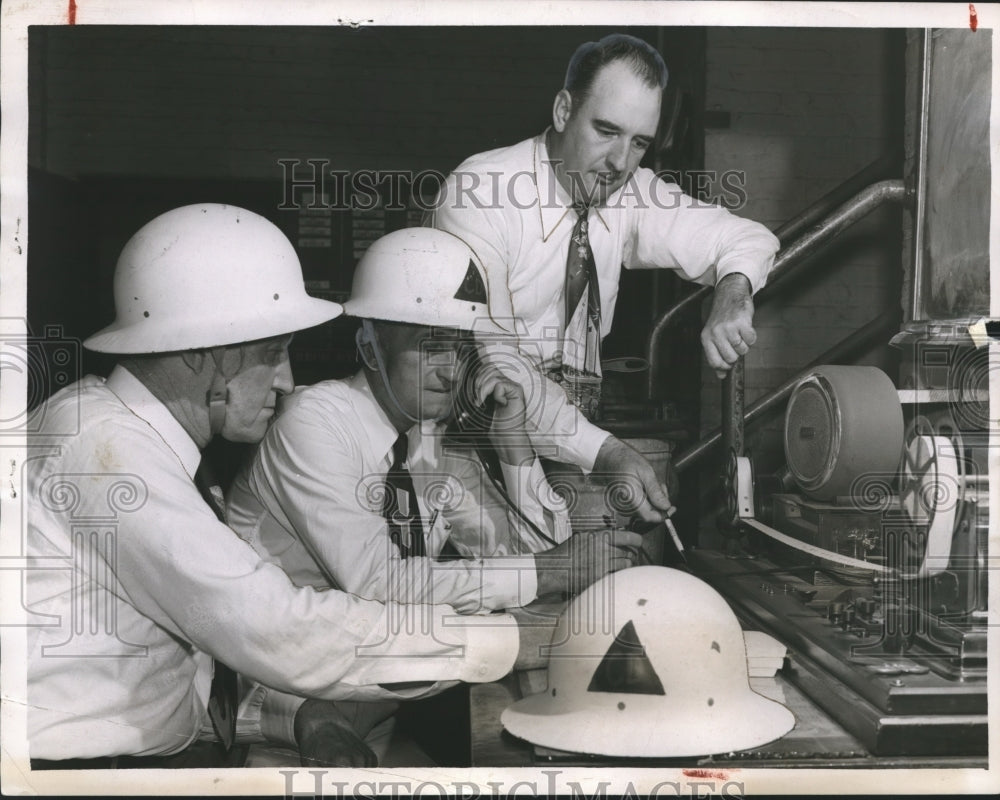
(703, 242)
(554, 426)
(475, 519)
(538, 503)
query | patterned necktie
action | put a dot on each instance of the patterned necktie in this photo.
(581, 351)
(406, 528)
(223, 698)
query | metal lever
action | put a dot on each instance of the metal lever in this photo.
(732, 446)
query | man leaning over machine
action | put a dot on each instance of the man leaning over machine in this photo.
(555, 218)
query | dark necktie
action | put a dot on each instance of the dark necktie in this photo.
(581, 359)
(223, 698)
(406, 528)
(580, 270)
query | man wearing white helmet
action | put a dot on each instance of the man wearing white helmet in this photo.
(313, 498)
(206, 300)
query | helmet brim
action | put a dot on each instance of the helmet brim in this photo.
(482, 325)
(650, 727)
(174, 334)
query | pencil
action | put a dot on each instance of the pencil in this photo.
(675, 537)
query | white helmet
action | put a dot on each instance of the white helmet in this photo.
(422, 276)
(656, 656)
(205, 276)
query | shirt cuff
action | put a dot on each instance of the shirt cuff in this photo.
(430, 643)
(513, 579)
(491, 646)
(277, 716)
(756, 273)
(265, 714)
(588, 444)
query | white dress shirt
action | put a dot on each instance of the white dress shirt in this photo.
(508, 206)
(144, 586)
(311, 498)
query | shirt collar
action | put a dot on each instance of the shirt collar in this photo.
(144, 404)
(554, 203)
(381, 432)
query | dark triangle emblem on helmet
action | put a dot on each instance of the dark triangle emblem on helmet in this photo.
(625, 667)
(472, 289)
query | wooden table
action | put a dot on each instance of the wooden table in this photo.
(816, 740)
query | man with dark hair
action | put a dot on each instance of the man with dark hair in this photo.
(553, 247)
(639, 56)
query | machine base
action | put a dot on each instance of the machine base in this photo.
(899, 699)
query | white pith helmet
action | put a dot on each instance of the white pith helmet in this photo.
(203, 276)
(648, 662)
(422, 276)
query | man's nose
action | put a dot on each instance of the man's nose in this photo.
(618, 155)
(284, 383)
(448, 373)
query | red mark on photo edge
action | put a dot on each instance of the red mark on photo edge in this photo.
(718, 774)
(973, 19)
(72, 12)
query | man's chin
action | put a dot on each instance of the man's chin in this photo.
(246, 436)
(433, 411)
(602, 191)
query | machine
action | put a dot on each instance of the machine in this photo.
(867, 556)
(871, 566)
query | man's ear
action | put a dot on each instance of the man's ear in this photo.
(194, 360)
(367, 340)
(227, 360)
(562, 109)
(230, 359)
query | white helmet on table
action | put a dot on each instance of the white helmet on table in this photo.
(204, 276)
(648, 662)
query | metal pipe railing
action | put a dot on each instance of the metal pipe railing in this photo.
(919, 213)
(877, 327)
(786, 262)
(862, 204)
(881, 169)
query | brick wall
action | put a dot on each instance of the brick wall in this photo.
(143, 119)
(220, 102)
